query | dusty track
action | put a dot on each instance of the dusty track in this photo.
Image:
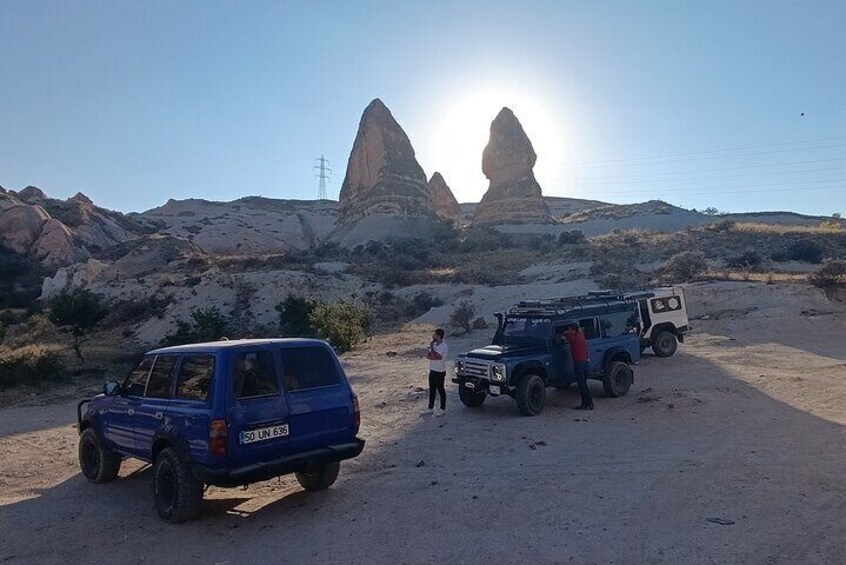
(742, 427)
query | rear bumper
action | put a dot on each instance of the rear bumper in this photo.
(277, 467)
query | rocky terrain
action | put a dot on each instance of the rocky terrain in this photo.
(446, 206)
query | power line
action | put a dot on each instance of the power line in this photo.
(322, 172)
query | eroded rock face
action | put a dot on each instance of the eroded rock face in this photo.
(383, 176)
(446, 206)
(32, 194)
(514, 196)
(21, 225)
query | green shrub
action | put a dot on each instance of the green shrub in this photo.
(831, 274)
(571, 237)
(345, 325)
(684, 267)
(806, 250)
(78, 310)
(30, 364)
(747, 260)
(206, 324)
(295, 316)
(462, 316)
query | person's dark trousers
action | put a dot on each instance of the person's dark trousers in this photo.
(436, 383)
(581, 370)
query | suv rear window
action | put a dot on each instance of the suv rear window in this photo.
(161, 378)
(255, 374)
(617, 324)
(589, 328)
(195, 377)
(136, 382)
(308, 367)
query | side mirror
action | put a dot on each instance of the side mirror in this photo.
(111, 388)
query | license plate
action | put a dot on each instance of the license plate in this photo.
(262, 434)
(494, 390)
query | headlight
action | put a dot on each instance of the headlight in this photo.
(498, 373)
(459, 367)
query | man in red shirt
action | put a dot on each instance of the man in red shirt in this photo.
(581, 363)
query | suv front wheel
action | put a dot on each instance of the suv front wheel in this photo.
(98, 464)
(617, 379)
(470, 397)
(531, 393)
(319, 477)
(178, 495)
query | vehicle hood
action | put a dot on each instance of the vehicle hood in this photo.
(491, 352)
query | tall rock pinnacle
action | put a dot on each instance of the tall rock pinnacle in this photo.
(446, 206)
(383, 176)
(514, 196)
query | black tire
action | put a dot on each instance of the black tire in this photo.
(617, 379)
(177, 493)
(98, 464)
(471, 398)
(531, 393)
(665, 343)
(319, 477)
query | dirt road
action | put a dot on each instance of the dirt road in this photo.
(731, 452)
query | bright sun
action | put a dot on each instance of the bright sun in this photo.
(463, 134)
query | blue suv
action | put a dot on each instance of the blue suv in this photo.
(227, 413)
(525, 356)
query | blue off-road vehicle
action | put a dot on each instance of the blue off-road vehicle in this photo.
(227, 413)
(526, 357)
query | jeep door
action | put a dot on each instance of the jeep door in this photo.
(150, 413)
(619, 331)
(596, 346)
(319, 399)
(190, 412)
(560, 368)
(119, 421)
(257, 412)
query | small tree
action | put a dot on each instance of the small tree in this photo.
(710, 211)
(206, 324)
(78, 310)
(295, 316)
(462, 316)
(831, 274)
(345, 324)
(685, 266)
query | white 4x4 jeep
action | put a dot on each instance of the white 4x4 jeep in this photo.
(663, 315)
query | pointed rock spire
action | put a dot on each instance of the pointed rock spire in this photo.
(514, 196)
(446, 206)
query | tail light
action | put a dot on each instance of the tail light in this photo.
(356, 413)
(218, 437)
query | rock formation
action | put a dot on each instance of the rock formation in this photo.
(514, 196)
(384, 192)
(446, 206)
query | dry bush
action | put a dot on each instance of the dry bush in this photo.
(684, 267)
(831, 274)
(30, 365)
(462, 316)
(781, 229)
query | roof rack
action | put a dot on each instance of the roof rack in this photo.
(568, 305)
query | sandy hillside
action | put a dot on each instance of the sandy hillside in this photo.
(730, 452)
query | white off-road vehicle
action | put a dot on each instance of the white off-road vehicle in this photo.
(663, 316)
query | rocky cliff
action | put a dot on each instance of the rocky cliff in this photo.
(446, 206)
(514, 196)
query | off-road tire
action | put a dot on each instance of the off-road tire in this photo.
(617, 379)
(471, 398)
(665, 343)
(98, 464)
(178, 495)
(531, 393)
(319, 477)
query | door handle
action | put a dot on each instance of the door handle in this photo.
(159, 415)
(131, 411)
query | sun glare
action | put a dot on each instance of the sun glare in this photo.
(461, 137)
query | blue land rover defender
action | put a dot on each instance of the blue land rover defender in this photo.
(525, 356)
(227, 413)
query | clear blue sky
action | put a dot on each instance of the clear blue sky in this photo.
(697, 103)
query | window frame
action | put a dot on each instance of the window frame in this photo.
(597, 327)
(276, 362)
(332, 359)
(176, 364)
(629, 315)
(146, 379)
(177, 381)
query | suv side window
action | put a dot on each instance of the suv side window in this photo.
(255, 374)
(161, 377)
(136, 382)
(617, 324)
(308, 367)
(195, 377)
(589, 327)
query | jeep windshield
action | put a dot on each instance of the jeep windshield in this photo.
(525, 331)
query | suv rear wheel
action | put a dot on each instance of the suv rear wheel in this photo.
(98, 464)
(470, 397)
(319, 477)
(617, 379)
(531, 392)
(178, 495)
(665, 343)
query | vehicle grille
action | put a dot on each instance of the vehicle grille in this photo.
(477, 369)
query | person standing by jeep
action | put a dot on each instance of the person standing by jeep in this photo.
(581, 363)
(437, 356)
